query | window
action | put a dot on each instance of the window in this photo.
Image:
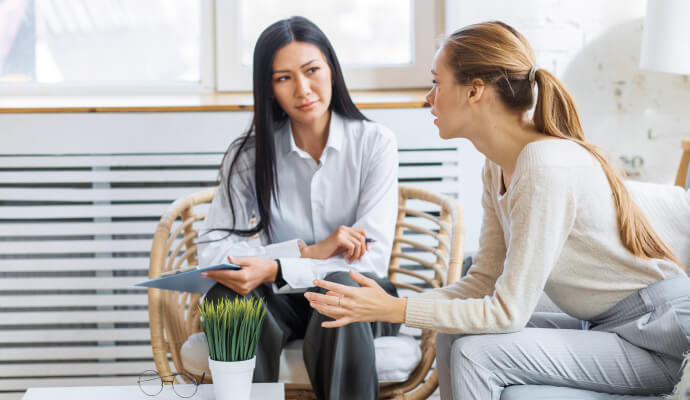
(380, 43)
(349, 25)
(182, 46)
(105, 42)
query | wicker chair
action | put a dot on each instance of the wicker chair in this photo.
(432, 250)
(683, 167)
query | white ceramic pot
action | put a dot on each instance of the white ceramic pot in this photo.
(232, 380)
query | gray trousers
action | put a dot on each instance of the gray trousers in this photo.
(634, 348)
(340, 362)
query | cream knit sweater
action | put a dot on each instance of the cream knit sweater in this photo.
(554, 230)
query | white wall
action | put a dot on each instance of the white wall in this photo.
(594, 47)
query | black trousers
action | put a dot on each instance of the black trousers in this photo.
(341, 362)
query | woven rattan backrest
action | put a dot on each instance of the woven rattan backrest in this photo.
(173, 316)
(429, 239)
(683, 174)
(427, 253)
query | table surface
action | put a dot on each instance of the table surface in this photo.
(260, 391)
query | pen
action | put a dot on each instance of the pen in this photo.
(370, 240)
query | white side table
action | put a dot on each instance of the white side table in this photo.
(260, 391)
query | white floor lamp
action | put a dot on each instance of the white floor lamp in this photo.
(666, 37)
(666, 41)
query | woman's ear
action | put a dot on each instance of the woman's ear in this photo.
(476, 91)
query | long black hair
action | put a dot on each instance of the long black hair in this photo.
(269, 116)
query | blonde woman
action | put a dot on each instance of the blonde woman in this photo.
(557, 218)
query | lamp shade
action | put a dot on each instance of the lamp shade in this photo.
(666, 37)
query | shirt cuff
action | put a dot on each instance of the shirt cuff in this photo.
(297, 272)
(288, 248)
(419, 312)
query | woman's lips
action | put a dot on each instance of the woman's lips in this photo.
(308, 106)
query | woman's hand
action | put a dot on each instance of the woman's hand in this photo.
(350, 242)
(347, 304)
(254, 272)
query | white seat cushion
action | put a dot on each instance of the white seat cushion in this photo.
(396, 358)
(194, 354)
(668, 209)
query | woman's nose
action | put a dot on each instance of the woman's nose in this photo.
(303, 88)
(430, 97)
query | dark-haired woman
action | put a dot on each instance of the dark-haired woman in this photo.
(557, 218)
(320, 179)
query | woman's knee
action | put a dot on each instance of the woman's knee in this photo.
(470, 351)
(219, 292)
(341, 277)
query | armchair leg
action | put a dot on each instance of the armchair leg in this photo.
(421, 392)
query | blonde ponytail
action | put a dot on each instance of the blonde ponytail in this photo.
(498, 54)
(556, 115)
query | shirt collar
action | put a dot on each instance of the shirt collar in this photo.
(335, 136)
(335, 132)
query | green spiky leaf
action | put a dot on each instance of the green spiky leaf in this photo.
(232, 327)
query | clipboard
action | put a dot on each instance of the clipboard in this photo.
(189, 280)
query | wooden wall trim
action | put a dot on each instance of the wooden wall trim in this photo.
(187, 103)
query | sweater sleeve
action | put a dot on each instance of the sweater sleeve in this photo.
(487, 264)
(541, 213)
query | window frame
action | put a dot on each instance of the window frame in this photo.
(232, 76)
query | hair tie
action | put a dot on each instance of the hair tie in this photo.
(532, 73)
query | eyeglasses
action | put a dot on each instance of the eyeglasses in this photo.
(151, 383)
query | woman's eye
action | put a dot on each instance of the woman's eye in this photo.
(281, 78)
(312, 70)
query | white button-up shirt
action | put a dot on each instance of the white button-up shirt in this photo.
(355, 183)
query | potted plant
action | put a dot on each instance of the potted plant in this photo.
(232, 329)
